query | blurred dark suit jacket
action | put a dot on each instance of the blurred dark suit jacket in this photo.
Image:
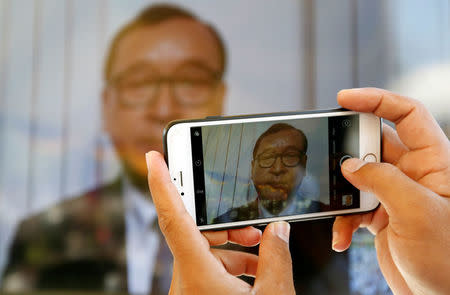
(76, 245)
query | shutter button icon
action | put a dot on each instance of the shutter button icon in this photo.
(370, 158)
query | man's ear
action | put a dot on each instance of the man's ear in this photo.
(106, 100)
(304, 160)
(252, 168)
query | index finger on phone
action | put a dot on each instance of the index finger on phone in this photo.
(247, 236)
(416, 127)
(178, 227)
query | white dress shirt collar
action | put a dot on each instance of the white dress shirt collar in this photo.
(142, 240)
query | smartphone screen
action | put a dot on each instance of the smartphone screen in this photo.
(246, 171)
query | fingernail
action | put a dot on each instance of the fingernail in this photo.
(352, 165)
(259, 232)
(281, 229)
(147, 159)
(335, 240)
(349, 90)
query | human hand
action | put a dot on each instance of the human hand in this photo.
(198, 269)
(412, 225)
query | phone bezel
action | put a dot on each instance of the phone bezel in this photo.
(177, 134)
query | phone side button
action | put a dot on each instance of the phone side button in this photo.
(370, 158)
(213, 117)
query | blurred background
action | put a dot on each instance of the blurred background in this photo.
(282, 56)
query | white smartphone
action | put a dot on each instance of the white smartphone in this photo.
(256, 169)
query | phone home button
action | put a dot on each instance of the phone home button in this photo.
(370, 158)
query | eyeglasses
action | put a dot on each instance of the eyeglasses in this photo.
(142, 89)
(289, 159)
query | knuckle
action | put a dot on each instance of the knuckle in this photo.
(280, 252)
(417, 104)
(387, 169)
(342, 221)
(166, 221)
(419, 107)
(375, 174)
(275, 287)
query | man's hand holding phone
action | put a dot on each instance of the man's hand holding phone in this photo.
(412, 226)
(199, 269)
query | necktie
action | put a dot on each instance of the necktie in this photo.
(162, 274)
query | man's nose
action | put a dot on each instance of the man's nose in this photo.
(278, 167)
(164, 103)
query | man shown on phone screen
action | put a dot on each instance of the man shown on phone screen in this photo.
(278, 170)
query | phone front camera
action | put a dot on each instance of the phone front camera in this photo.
(346, 123)
(182, 193)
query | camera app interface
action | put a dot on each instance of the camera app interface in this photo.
(266, 169)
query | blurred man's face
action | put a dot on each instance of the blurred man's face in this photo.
(160, 73)
(278, 169)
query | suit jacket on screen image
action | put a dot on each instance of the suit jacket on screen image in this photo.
(251, 211)
(76, 245)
